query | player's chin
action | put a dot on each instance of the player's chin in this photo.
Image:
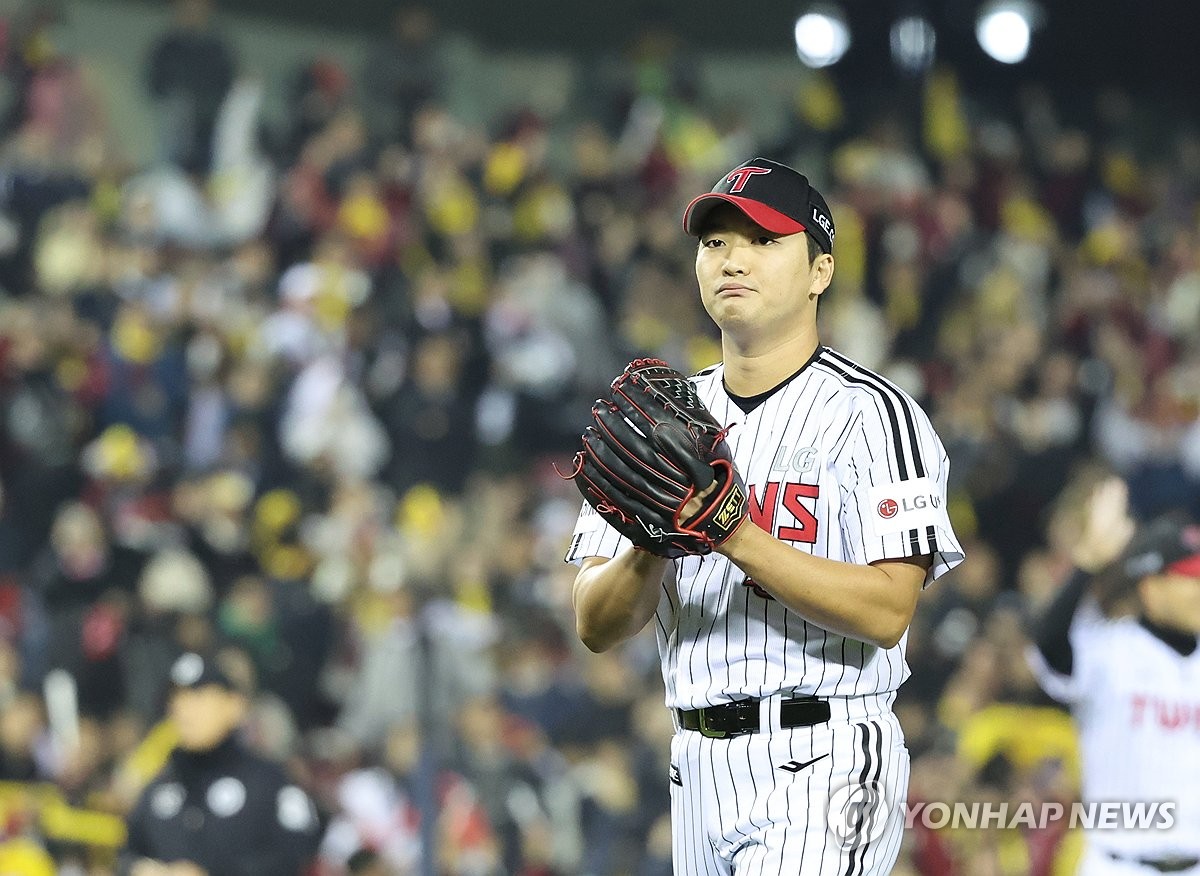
(732, 311)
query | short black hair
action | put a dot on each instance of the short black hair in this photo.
(814, 248)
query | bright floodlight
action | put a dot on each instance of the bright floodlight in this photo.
(913, 43)
(822, 36)
(1004, 29)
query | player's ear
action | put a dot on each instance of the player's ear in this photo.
(821, 273)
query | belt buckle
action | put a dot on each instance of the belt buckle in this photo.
(705, 730)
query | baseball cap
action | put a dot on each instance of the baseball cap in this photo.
(191, 670)
(1169, 545)
(777, 197)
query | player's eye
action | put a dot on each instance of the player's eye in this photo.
(712, 242)
(763, 240)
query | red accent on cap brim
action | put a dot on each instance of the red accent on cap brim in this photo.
(1189, 566)
(758, 212)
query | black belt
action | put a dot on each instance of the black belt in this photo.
(1176, 864)
(741, 717)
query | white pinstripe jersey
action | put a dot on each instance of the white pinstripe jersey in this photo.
(1136, 703)
(838, 462)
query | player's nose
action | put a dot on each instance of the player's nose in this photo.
(735, 262)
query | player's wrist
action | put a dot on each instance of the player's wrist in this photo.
(644, 558)
(734, 545)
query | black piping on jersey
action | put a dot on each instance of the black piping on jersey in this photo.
(749, 403)
(871, 380)
(842, 366)
(876, 788)
(877, 778)
(862, 781)
(860, 826)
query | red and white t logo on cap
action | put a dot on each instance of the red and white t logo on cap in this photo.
(741, 175)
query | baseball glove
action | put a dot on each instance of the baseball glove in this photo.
(651, 448)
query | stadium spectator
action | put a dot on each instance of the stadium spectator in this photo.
(216, 807)
(189, 72)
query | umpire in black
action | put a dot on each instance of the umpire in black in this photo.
(216, 808)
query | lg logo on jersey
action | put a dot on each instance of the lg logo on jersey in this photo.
(903, 506)
(889, 508)
(800, 462)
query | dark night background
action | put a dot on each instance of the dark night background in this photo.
(1150, 44)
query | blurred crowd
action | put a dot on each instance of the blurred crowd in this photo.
(293, 393)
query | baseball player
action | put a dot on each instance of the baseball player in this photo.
(783, 648)
(1133, 684)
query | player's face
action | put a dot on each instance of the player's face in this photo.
(1173, 601)
(204, 716)
(754, 281)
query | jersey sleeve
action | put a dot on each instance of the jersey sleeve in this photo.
(894, 486)
(593, 537)
(1086, 639)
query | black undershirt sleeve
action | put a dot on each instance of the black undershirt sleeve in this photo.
(1051, 632)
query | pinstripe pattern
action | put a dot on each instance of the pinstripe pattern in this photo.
(1136, 703)
(738, 812)
(841, 429)
(816, 455)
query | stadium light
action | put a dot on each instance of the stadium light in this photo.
(914, 42)
(822, 36)
(1005, 28)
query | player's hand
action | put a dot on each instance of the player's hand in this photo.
(655, 464)
(1107, 526)
(696, 504)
